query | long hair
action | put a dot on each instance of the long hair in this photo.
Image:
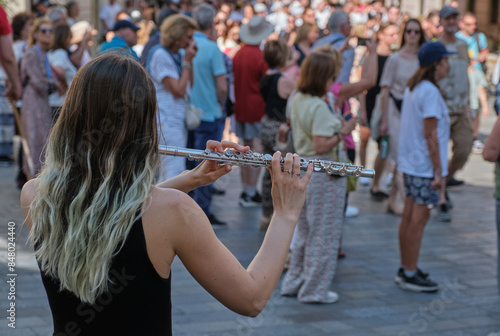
(317, 69)
(422, 34)
(303, 31)
(61, 34)
(424, 73)
(101, 159)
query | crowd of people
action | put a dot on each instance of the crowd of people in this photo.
(300, 76)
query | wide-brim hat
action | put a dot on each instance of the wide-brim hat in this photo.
(79, 29)
(256, 30)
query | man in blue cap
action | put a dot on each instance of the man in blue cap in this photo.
(455, 90)
(123, 41)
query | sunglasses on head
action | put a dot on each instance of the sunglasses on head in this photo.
(45, 31)
(416, 31)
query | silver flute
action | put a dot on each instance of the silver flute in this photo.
(233, 157)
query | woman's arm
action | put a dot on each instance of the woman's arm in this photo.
(430, 133)
(215, 267)
(491, 151)
(368, 74)
(323, 144)
(177, 86)
(384, 102)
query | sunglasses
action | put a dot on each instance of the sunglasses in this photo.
(45, 31)
(416, 31)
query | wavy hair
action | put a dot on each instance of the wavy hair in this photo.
(101, 160)
(174, 28)
(37, 23)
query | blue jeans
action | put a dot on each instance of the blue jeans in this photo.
(197, 139)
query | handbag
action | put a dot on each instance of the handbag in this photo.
(193, 115)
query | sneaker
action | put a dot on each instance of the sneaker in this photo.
(331, 297)
(454, 182)
(351, 212)
(477, 147)
(218, 192)
(364, 181)
(401, 275)
(443, 213)
(216, 223)
(417, 283)
(250, 202)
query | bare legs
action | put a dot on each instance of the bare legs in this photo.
(411, 230)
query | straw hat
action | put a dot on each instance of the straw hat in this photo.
(79, 29)
(255, 30)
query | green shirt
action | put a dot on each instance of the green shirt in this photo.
(311, 117)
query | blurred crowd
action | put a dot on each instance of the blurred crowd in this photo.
(320, 77)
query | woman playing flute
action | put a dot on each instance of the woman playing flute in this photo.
(105, 237)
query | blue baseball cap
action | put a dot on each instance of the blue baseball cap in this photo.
(125, 24)
(430, 52)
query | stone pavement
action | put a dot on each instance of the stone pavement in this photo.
(460, 255)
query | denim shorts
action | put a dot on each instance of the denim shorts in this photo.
(419, 189)
(247, 131)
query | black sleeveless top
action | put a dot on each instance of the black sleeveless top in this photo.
(137, 301)
(275, 105)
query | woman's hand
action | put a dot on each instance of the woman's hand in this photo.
(209, 171)
(384, 128)
(190, 52)
(283, 133)
(437, 182)
(349, 126)
(288, 190)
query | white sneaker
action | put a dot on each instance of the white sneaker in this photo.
(351, 212)
(477, 147)
(365, 181)
(331, 297)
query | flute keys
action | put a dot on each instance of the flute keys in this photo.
(342, 171)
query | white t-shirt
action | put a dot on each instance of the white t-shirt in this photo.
(172, 110)
(60, 58)
(108, 13)
(425, 101)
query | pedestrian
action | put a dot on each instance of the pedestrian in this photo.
(172, 75)
(398, 69)
(8, 71)
(318, 132)
(39, 82)
(455, 91)
(370, 103)
(106, 241)
(249, 67)
(209, 93)
(275, 88)
(125, 37)
(422, 157)
(61, 65)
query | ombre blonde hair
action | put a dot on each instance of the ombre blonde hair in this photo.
(174, 28)
(101, 159)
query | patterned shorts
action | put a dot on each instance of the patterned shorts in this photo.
(419, 189)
